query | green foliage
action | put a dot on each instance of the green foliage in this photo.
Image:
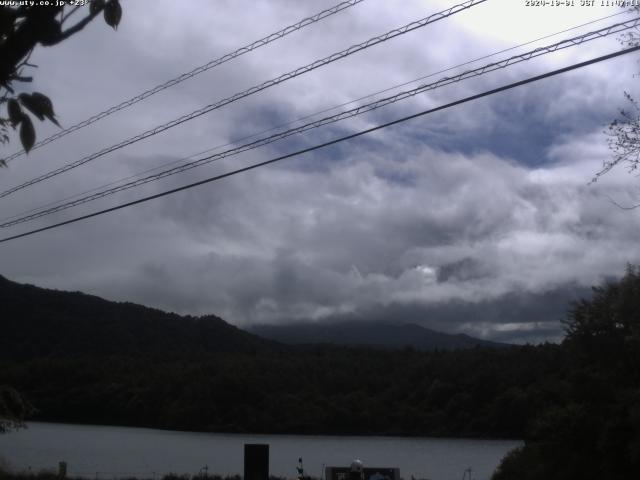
(623, 138)
(592, 429)
(27, 132)
(297, 390)
(14, 408)
(39, 105)
(624, 131)
(22, 28)
(613, 313)
(112, 13)
(85, 360)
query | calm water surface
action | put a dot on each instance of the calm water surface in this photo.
(110, 452)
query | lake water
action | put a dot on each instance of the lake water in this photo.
(104, 452)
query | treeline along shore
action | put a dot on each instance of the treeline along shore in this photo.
(315, 390)
(50, 475)
(81, 359)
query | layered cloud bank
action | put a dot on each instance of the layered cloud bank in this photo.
(472, 243)
(479, 220)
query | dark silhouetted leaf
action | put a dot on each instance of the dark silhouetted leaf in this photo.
(31, 105)
(39, 105)
(27, 133)
(113, 13)
(96, 6)
(48, 31)
(14, 111)
(46, 105)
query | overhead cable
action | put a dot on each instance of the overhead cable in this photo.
(578, 40)
(299, 119)
(258, 88)
(329, 143)
(305, 117)
(196, 71)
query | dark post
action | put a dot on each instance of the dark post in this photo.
(256, 461)
(62, 470)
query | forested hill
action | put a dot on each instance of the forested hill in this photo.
(576, 404)
(38, 322)
(81, 359)
(370, 334)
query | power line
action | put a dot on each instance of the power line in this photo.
(580, 39)
(270, 83)
(196, 71)
(332, 142)
(305, 117)
(299, 119)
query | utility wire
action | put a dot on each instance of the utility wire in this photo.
(610, 30)
(299, 119)
(196, 71)
(332, 142)
(270, 83)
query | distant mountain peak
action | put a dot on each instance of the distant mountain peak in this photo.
(370, 334)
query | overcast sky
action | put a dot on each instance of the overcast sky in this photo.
(478, 219)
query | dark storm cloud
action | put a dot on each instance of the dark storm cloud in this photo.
(474, 220)
(282, 245)
(516, 317)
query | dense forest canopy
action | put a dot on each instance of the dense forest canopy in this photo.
(592, 430)
(83, 359)
(577, 404)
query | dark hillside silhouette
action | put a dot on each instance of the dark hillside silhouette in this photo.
(79, 358)
(82, 359)
(371, 334)
(38, 322)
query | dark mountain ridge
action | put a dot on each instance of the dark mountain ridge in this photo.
(39, 322)
(82, 359)
(370, 334)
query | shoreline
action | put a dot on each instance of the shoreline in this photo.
(124, 452)
(276, 434)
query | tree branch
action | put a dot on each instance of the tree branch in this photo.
(78, 26)
(18, 45)
(65, 17)
(631, 207)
